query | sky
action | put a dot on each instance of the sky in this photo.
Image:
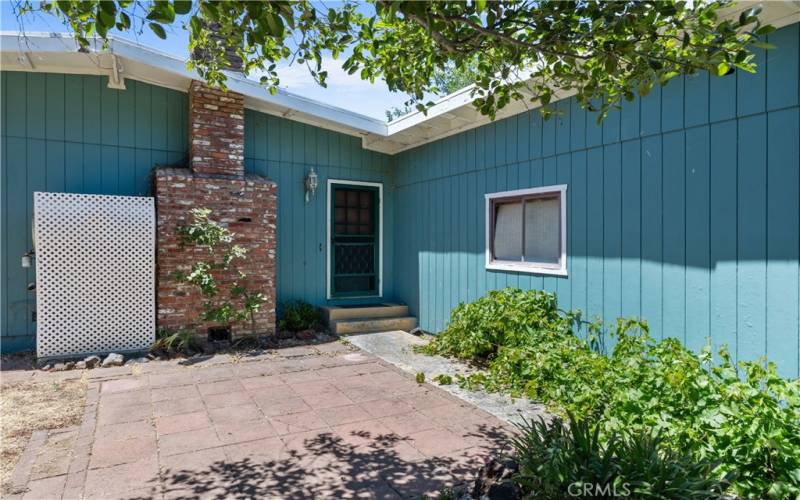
(345, 91)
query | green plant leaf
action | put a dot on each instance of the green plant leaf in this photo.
(158, 30)
(182, 7)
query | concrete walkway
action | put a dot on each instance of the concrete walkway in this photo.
(327, 421)
(397, 348)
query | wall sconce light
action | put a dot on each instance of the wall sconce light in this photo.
(311, 184)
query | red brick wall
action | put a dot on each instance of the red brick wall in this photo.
(247, 205)
(216, 130)
(248, 208)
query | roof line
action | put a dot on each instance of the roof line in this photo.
(450, 114)
(55, 42)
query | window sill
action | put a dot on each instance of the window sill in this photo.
(525, 268)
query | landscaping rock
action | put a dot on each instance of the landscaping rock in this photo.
(503, 491)
(92, 361)
(58, 367)
(285, 334)
(494, 480)
(137, 361)
(69, 365)
(113, 359)
(46, 367)
(80, 365)
(306, 334)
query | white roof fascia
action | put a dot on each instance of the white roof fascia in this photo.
(48, 43)
(444, 105)
(317, 110)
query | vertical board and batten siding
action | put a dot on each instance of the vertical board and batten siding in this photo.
(285, 151)
(683, 209)
(71, 133)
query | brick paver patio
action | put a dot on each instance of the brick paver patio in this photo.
(299, 424)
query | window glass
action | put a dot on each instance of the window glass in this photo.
(508, 232)
(542, 230)
(527, 230)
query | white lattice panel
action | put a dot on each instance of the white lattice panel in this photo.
(95, 273)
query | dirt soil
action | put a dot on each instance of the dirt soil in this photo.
(29, 406)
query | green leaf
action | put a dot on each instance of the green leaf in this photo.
(124, 21)
(182, 7)
(645, 86)
(109, 7)
(162, 14)
(723, 68)
(764, 45)
(101, 29)
(158, 30)
(106, 20)
(275, 24)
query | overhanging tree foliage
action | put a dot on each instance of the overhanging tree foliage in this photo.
(446, 81)
(603, 51)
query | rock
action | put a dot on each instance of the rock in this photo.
(306, 334)
(43, 364)
(494, 480)
(92, 361)
(46, 367)
(137, 361)
(113, 359)
(285, 334)
(503, 491)
(58, 367)
(80, 365)
(69, 365)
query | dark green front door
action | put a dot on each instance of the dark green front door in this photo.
(355, 237)
(355, 234)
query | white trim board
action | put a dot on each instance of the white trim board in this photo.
(526, 267)
(328, 214)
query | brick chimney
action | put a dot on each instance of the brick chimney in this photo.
(246, 204)
(216, 131)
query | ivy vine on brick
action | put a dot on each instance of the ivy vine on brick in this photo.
(226, 301)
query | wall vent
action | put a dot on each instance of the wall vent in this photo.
(95, 273)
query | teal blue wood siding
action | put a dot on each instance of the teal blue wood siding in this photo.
(72, 133)
(683, 208)
(285, 151)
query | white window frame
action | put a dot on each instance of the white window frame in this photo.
(559, 269)
(329, 243)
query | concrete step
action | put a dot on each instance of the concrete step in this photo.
(366, 325)
(335, 313)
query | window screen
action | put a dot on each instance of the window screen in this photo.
(527, 229)
(508, 232)
(542, 231)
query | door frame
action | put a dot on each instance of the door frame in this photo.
(328, 245)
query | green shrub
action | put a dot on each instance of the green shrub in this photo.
(507, 318)
(745, 417)
(557, 460)
(299, 315)
(182, 341)
(443, 379)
